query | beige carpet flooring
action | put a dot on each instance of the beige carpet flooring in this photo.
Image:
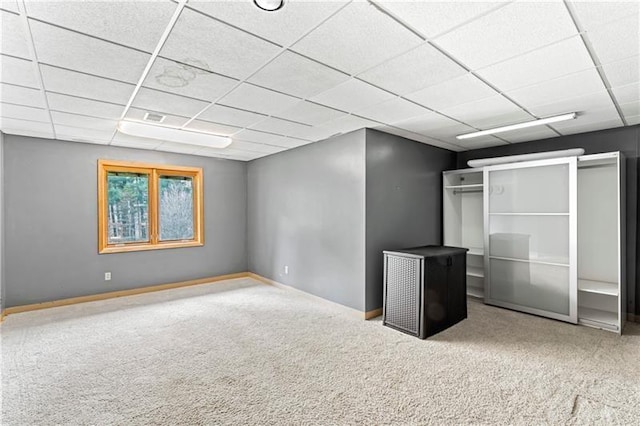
(244, 353)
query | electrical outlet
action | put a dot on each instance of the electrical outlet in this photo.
(107, 276)
(286, 270)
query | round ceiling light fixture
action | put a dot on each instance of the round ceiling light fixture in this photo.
(269, 5)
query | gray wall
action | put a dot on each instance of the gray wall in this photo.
(625, 139)
(51, 249)
(403, 200)
(306, 211)
(2, 289)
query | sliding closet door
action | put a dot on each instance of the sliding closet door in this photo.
(530, 237)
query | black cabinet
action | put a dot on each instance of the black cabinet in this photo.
(425, 289)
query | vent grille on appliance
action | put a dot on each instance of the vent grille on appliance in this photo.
(156, 118)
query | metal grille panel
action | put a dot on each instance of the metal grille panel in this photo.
(401, 286)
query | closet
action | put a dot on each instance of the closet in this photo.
(545, 237)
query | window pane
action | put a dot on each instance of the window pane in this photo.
(128, 207)
(176, 208)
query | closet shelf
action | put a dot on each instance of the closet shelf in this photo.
(590, 316)
(475, 271)
(471, 185)
(475, 251)
(598, 287)
(475, 292)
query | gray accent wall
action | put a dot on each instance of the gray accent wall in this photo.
(306, 211)
(51, 249)
(403, 200)
(624, 139)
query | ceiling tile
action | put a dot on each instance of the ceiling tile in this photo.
(261, 137)
(453, 92)
(36, 129)
(24, 112)
(482, 142)
(254, 98)
(417, 137)
(628, 93)
(421, 67)
(86, 135)
(587, 81)
(72, 104)
(298, 76)
(255, 147)
(230, 116)
(596, 101)
(588, 118)
(86, 86)
(178, 148)
(156, 101)
(84, 122)
(169, 120)
(234, 53)
(18, 71)
(55, 46)
(432, 18)
(188, 80)
(509, 31)
(488, 112)
(617, 40)
(630, 109)
(310, 113)
(284, 27)
(281, 127)
(344, 124)
(633, 120)
(131, 23)
(556, 60)
(392, 111)
(14, 40)
(623, 72)
(352, 95)
(358, 37)
(21, 95)
(218, 129)
(528, 134)
(428, 122)
(229, 153)
(9, 5)
(128, 141)
(594, 14)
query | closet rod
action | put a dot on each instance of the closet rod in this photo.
(460, 191)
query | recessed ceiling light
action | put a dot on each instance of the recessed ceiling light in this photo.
(539, 122)
(172, 134)
(269, 5)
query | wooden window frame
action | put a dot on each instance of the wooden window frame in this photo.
(155, 171)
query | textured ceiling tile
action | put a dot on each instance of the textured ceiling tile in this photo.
(421, 67)
(453, 92)
(418, 137)
(138, 24)
(18, 71)
(432, 18)
(55, 46)
(592, 101)
(188, 80)
(234, 53)
(556, 60)
(36, 129)
(623, 72)
(528, 134)
(346, 124)
(86, 86)
(156, 101)
(283, 27)
(218, 129)
(169, 120)
(617, 40)
(589, 117)
(9, 5)
(21, 95)
(84, 122)
(358, 37)
(577, 84)
(282, 127)
(594, 14)
(352, 95)
(230, 116)
(72, 104)
(427, 122)
(261, 137)
(509, 31)
(488, 112)
(255, 147)
(392, 111)
(14, 40)
(298, 76)
(23, 112)
(628, 93)
(630, 109)
(253, 98)
(310, 113)
(481, 142)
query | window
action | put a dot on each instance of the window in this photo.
(148, 207)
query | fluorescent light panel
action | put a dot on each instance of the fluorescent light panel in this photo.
(171, 134)
(539, 122)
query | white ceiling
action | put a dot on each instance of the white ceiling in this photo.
(424, 70)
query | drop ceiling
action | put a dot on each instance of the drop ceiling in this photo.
(426, 70)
